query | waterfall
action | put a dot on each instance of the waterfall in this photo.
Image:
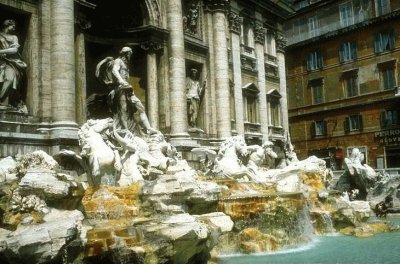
(327, 222)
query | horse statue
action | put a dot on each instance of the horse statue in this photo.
(231, 158)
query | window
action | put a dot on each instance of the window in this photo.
(384, 41)
(353, 123)
(346, 14)
(390, 118)
(388, 78)
(313, 26)
(275, 114)
(348, 51)
(314, 60)
(250, 95)
(273, 99)
(251, 111)
(351, 86)
(382, 7)
(317, 94)
(318, 128)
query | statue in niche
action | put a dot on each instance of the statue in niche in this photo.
(194, 92)
(11, 65)
(121, 99)
(191, 19)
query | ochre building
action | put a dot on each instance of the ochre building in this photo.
(342, 78)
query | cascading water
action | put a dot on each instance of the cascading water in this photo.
(327, 222)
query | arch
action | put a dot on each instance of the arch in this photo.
(154, 13)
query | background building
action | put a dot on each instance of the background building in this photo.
(342, 77)
(236, 47)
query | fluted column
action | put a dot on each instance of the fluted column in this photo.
(281, 44)
(235, 22)
(218, 9)
(262, 96)
(177, 72)
(62, 62)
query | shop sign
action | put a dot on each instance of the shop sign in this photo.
(388, 137)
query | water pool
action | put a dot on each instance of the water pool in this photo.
(338, 249)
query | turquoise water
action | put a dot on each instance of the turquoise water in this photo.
(382, 248)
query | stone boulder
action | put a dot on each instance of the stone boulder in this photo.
(181, 193)
(6, 165)
(54, 240)
(350, 213)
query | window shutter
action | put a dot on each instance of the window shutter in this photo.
(341, 52)
(347, 125)
(313, 130)
(325, 128)
(319, 59)
(377, 43)
(353, 50)
(383, 119)
(392, 38)
(360, 122)
(308, 61)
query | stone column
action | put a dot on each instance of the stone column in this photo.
(62, 57)
(218, 8)
(281, 44)
(152, 83)
(235, 22)
(259, 36)
(177, 71)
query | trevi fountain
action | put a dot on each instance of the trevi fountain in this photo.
(128, 195)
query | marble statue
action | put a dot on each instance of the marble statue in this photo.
(11, 65)
(191, 19)
(259, 155)
(123, 102)
(194, 92)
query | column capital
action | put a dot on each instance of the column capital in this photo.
(235, 22)
(281, 42)
(216, 5)
(259, 33)
(151, 46)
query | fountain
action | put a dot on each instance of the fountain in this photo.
(129, 197)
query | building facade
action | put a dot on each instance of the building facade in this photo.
(236, 48)
(342, 78)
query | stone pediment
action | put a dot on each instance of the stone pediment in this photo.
(274, 94)
(250, 89)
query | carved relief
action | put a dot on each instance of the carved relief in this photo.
(216, 5)
(151, 46)
(235, 22)
(281, 42)
(259, 33)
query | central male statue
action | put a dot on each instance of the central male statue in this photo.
(123, 102)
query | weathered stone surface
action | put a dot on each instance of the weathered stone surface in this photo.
(44, 181)
(218, 220)
(42, 242)
(181, 193)
(6, 165)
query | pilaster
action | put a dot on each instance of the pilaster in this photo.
(235, 22)
(259, 37)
